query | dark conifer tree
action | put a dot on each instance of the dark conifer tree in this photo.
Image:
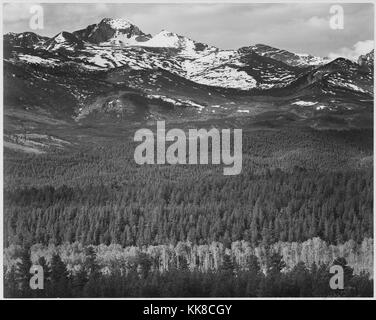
(23, 275)
(60, 286)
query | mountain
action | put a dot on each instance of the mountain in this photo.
(337, 86)
(112, 72)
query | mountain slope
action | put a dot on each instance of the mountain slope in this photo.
(292, 59)
(63, 40)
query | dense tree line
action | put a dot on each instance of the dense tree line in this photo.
(275, 206)
(140, 280)
(208, 257)
(107, 160)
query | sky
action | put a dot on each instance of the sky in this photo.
(297, 27)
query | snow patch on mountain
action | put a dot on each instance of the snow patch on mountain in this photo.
(337, 81)
(37, 60)
(118, 23)
(219, 68)
(226, 77)
(290, 58)
(194, 67)
(63, 40)
(304, 103)
(307, 59)
(176, 102)
(186, 46)
(166, 39)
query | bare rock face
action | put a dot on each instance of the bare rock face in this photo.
(366, 60)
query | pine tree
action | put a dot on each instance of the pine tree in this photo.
(275, 264)
(90, 265)
(79, 280)
(92, 269)
(254, 276)
(23, 272)
(59, 277)
(144, 264)
(227, 264)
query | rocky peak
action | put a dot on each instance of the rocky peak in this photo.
(63, 40)
(114, 31)
(366, 59)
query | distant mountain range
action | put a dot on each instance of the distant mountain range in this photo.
(112, 71)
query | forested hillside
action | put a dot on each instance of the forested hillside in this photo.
(303, 194)
(102, 196)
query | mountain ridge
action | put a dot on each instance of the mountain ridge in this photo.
(174, 77)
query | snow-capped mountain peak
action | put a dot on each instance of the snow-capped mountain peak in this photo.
(117, 24)
(61, 37)
(186, 46)
(167, 39)
(112, 31)
(63, 40)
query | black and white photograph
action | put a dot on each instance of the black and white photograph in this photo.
(187, 150)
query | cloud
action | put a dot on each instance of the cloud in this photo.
(353, 53)
(317, 22)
